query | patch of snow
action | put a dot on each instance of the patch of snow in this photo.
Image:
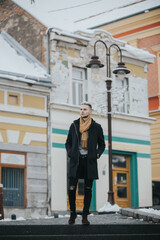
(17, 219)
(109, 208)
(91, 214)
(139, 53)
(13, 61)
(65, 216)
(47, 217)
(150, 210)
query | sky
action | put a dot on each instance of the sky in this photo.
(73, 15)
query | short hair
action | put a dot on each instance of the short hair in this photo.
(87, 103)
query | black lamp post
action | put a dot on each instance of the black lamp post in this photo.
(120, 69)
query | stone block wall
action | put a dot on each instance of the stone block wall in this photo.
(36, 189)
(25, 29)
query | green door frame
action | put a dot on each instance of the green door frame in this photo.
(133, 176)
(133, 180)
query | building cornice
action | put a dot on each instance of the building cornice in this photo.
(6, 83)
(122, 116)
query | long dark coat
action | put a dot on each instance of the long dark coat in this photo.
(96, 145)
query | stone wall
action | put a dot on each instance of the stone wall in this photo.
(23, 28)
(36, 184)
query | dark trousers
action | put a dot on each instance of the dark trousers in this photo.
(87, 187)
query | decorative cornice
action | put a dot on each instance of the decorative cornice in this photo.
(122, 116)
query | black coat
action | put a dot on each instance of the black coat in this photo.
(96, 145)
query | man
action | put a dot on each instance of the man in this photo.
(85, 144)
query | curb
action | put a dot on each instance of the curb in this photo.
(138, 214)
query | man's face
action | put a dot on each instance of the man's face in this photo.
(85, 111)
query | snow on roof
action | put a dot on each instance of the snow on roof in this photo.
(139, 54)
(73, 15)
(17, 63)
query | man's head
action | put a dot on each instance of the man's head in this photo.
(85, 110)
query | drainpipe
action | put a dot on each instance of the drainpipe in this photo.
(48, 50)
(49, 124)
(49, 154)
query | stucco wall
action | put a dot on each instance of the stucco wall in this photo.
(129, 135)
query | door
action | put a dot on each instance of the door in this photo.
(121, 180)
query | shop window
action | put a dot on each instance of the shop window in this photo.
(13, 167)
(13, 186)
(79, 86)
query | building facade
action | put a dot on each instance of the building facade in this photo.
(131, 124)
(143, 31)
(66, 55)
(24, 125)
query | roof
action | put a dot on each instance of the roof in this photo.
(73, 15)
(17, 63)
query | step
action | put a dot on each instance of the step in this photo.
(69, 232)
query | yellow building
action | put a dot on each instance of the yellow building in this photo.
(24, 120)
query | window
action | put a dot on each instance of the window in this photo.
(13, 99)
(13, 173)
(121, 95)
(79, 86)
(13, 186)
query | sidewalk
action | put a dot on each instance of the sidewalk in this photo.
(94, 218)
(139, 214)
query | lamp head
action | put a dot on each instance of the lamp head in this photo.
(95, 63)
(121, 69)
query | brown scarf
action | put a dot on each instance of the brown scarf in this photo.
(84, 126)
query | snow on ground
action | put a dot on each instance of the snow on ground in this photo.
(150, 210)
(106, 208)
(109, 208)
(9, 219)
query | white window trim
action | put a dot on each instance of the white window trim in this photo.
(83, 70)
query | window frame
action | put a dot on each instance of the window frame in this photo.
(125, 105)
(75, 100)
(6, 165)
(15, 95)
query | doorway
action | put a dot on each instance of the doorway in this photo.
(121, 180)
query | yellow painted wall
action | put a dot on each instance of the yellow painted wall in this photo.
(155, 146)
(33, 102)
(138, 71)
(1, 97)
(23, 129)
(28, 117)
(10, 126)
(131, 23)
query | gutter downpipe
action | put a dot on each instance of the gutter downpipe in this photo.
(49, 126)
(48, 50)
(49, 155)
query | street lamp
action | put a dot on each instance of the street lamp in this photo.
(119, 70)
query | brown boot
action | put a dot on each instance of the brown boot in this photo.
(84, 219)
(72, 218)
